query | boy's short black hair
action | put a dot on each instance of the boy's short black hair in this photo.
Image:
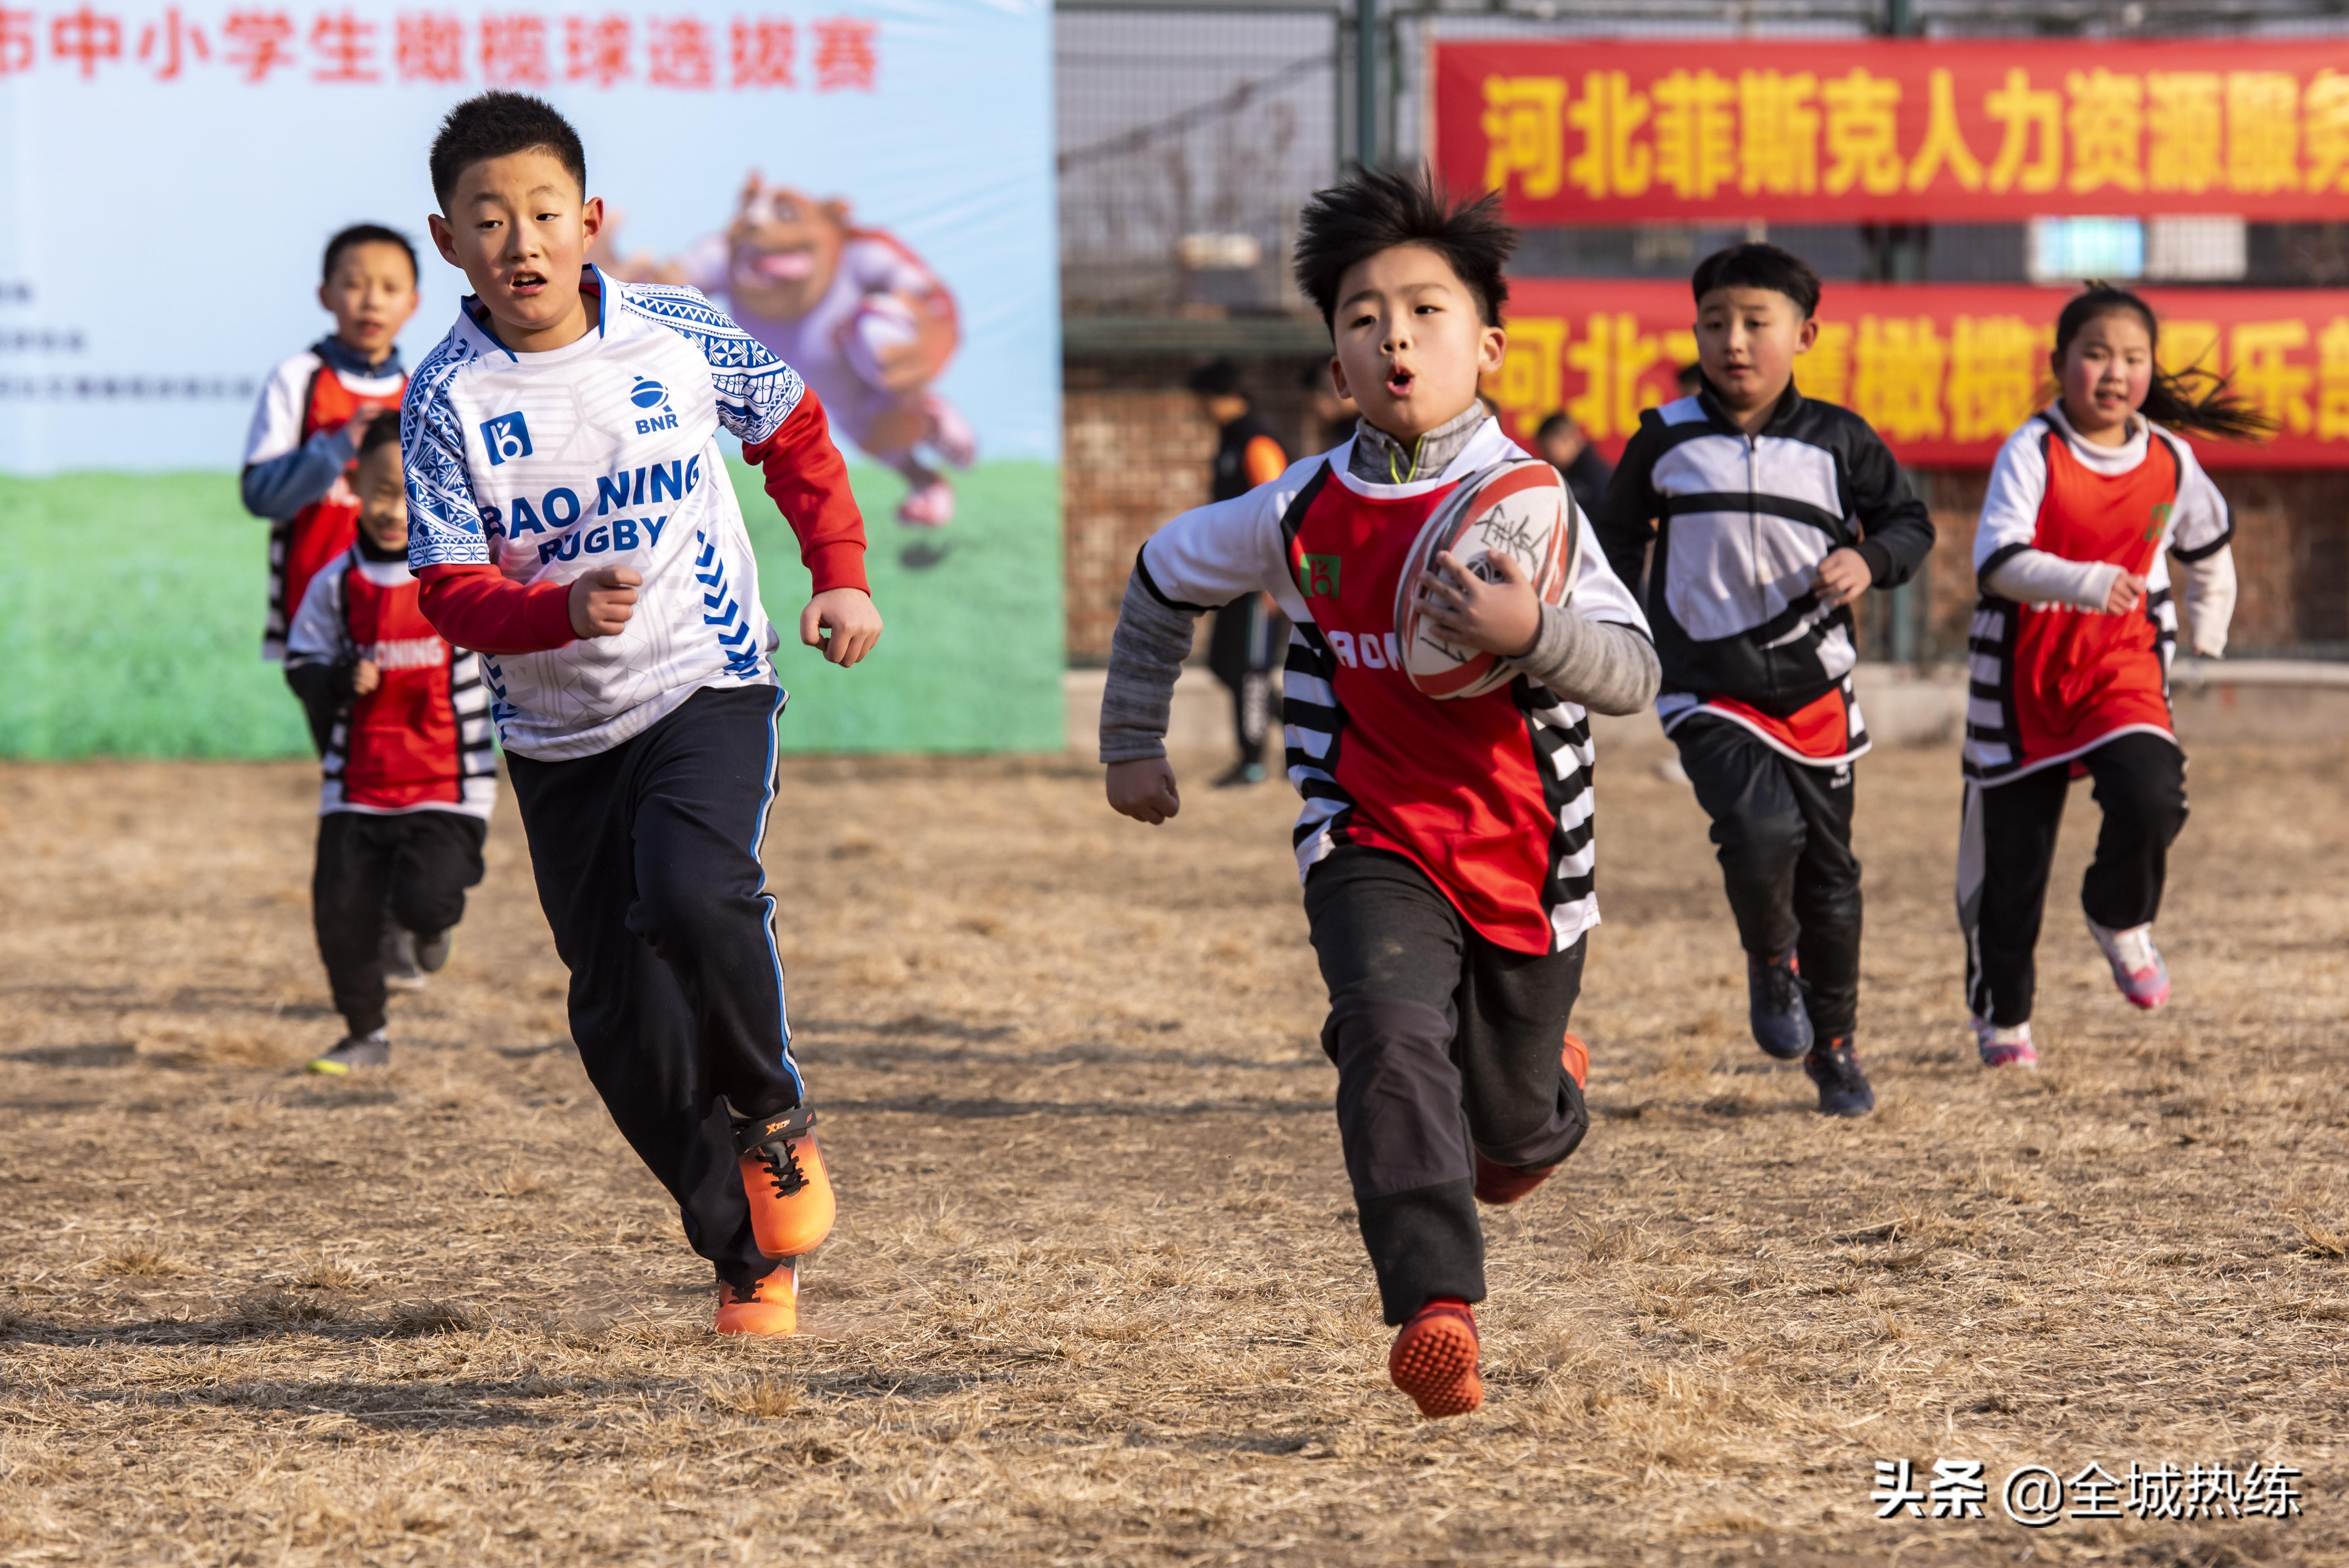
(1756, 264)
(1560, 423)
(498, 125)
(383, 433)
(1215, 378)
(364, 235)
(1379, 209)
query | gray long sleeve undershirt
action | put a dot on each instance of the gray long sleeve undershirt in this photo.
(1607, 669)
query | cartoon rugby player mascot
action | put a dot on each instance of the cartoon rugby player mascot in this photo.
(862, 317)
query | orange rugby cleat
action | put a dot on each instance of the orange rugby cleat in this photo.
(1499, 1184)
(792, 1205)
(1435, 1359)
(769, 1306)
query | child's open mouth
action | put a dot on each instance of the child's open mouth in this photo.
(1400, 383)
(526, 282)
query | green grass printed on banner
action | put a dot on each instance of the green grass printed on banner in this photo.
(134, 627)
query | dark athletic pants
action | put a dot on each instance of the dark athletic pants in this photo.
(2006, 847)
(648, 865)
(1242, 648)
(1442, 1040)
(1783, 833)
(414, 867)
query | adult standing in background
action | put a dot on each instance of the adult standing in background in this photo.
(1250, 636)
(1566, 449)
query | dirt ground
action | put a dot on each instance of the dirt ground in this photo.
(1096, 1293)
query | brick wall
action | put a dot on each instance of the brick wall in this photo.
(1136, 450)
(2292, 556)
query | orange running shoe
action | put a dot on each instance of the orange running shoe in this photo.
(1434, 1358)
(1575, 1057)
(783, 1177)
(769, 1306)
(1499, 1184)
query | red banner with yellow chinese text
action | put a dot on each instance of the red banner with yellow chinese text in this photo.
(1824, 131)
(1944, 374)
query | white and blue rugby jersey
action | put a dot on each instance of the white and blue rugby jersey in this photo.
(603, 452)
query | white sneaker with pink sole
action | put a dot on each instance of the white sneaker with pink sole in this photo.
(2004, 1045)
(2136, 963)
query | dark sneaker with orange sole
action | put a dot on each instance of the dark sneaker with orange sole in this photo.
(1435, 1359)
(771, 1306)
(792, 1205)
(1500, 1184)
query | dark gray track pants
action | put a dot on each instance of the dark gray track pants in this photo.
(1445, 1043)
(1782, 829)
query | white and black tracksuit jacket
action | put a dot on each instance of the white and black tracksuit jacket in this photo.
(1740, 525)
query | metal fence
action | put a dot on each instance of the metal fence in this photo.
(1190, 133)
(1187, 143)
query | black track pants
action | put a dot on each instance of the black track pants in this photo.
(414, 866)
(1242, 648)
(2006, 847)
(1783, 833)
(648, 865)
(1443, 1041)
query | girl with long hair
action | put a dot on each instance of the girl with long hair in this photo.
(2070, 647)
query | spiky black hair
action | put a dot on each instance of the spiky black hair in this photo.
(1376, 210)
(498, 125)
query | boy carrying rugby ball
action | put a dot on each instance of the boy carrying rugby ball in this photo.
(1445, 846)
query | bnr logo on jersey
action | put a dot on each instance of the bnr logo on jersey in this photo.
(2160, 520)
(507, 437)
(1369, 651)
(1318, 574)
(651, 394)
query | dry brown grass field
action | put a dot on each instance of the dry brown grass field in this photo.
(1096, 1293)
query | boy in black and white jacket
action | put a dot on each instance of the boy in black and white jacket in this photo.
(1770, 513)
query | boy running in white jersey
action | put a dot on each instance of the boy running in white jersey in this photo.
(572, 521)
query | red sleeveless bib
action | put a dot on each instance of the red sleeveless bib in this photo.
(401, 742)
(2079, 675)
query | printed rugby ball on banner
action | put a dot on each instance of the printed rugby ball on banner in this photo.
(1518, 508)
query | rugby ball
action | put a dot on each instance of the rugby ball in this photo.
(1518, 508)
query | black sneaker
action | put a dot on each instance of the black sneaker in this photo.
(432, 951)
(356, 1051)
(1239, 775)
(1774, 1006)
(1834, 1065)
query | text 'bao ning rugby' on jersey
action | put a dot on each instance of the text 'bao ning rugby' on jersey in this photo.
(1741, 524)
(1489, 796)
(603, 452)
(2048, 683)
